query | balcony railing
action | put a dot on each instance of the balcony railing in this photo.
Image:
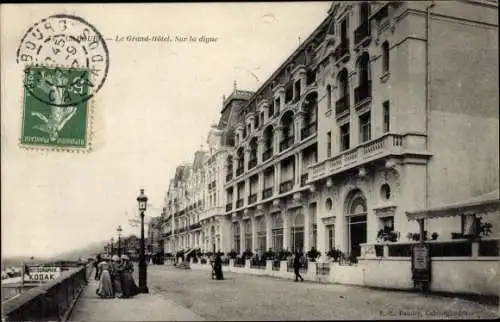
(252, 163)
(362, 92)
(303, 179)
(229, 206)
(239, 171)
(286, 186)
(267, 154)
(286, 143)
(195, 226)
(229, 177)
(386, 145)
(308, 130)
(252, 198)
(342, 105)
(342, 50)
(267, 193)
(239, 203)
(362, 33)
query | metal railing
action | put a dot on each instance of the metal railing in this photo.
(342, 105)
(239, 203)
(267, 153)
(342, 49)
(363, 92)
(239, 171)
(308, 130)
(286, 186)
(303, 179)
(267, 193)
(229, 176)
(252, 163)
(362, 32)
(252, 198)
(229, 206)
(286, 143)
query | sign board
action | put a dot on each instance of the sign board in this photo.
(420, 263)
(43, 274)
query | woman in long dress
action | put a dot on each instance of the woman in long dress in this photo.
(218, 267)
(105, 288)
(128, 284)
(116, 276)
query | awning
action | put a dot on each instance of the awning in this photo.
(486, 203)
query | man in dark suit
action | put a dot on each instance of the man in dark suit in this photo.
(296, 267)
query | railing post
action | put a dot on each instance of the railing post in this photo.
(269, 266)
(231, 263)
(386, 250)
(247, 263)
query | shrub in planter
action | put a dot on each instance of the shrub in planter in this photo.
(247, 254)
(209, 254)
(269, 255)
(203, 261)
(334, 253)
(284, 254)
(232, 254)
(434, 236)
(387, 234)
(313, 254)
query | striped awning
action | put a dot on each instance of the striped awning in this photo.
(487, 203)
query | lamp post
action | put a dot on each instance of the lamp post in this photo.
(142, 200)
(119, 230)
(112, 246)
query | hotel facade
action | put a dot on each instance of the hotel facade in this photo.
(388, 107)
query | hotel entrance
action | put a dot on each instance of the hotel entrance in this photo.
(356, 222)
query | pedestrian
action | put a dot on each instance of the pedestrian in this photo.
(296, 267)
(116, 276)
(96, 266)
(105, 288)
(128, 284)
(218, 267)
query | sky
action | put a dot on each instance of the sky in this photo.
(153, 111)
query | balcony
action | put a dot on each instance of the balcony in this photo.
(252, 198)
(362, 93)
(390, 144)
(308, 130)
(286, 143)
(229, 177)
(267, 154)
(267, 193)
(286, 186)
(341, 53)
(252, 163)
(362, 34)
(239, 171)
(342, 106)
(239, 203)
(303, 179)
(229, 206)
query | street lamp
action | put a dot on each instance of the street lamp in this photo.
(119, 230)
(142, 200)
(112, 246)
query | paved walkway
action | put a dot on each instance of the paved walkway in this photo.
(143, 307)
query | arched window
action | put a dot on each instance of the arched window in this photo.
(385, 57)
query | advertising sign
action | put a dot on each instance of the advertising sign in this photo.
(421, 263)
(42, 274)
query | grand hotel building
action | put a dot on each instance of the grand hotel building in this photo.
(387, 107)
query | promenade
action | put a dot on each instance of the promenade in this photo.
(181, 295)
(154, 306)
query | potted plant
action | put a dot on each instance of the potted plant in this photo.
(387, 234)
(247, 254)
(485, 229)
(334, 253)
(456, 235)
(232, 254)
(313, 254)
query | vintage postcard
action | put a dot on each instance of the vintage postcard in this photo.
(250, 161)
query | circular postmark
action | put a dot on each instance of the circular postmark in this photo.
(76, 48)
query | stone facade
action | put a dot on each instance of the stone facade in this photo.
(375, 114)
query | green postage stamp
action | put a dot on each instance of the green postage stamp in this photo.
(56, 108)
